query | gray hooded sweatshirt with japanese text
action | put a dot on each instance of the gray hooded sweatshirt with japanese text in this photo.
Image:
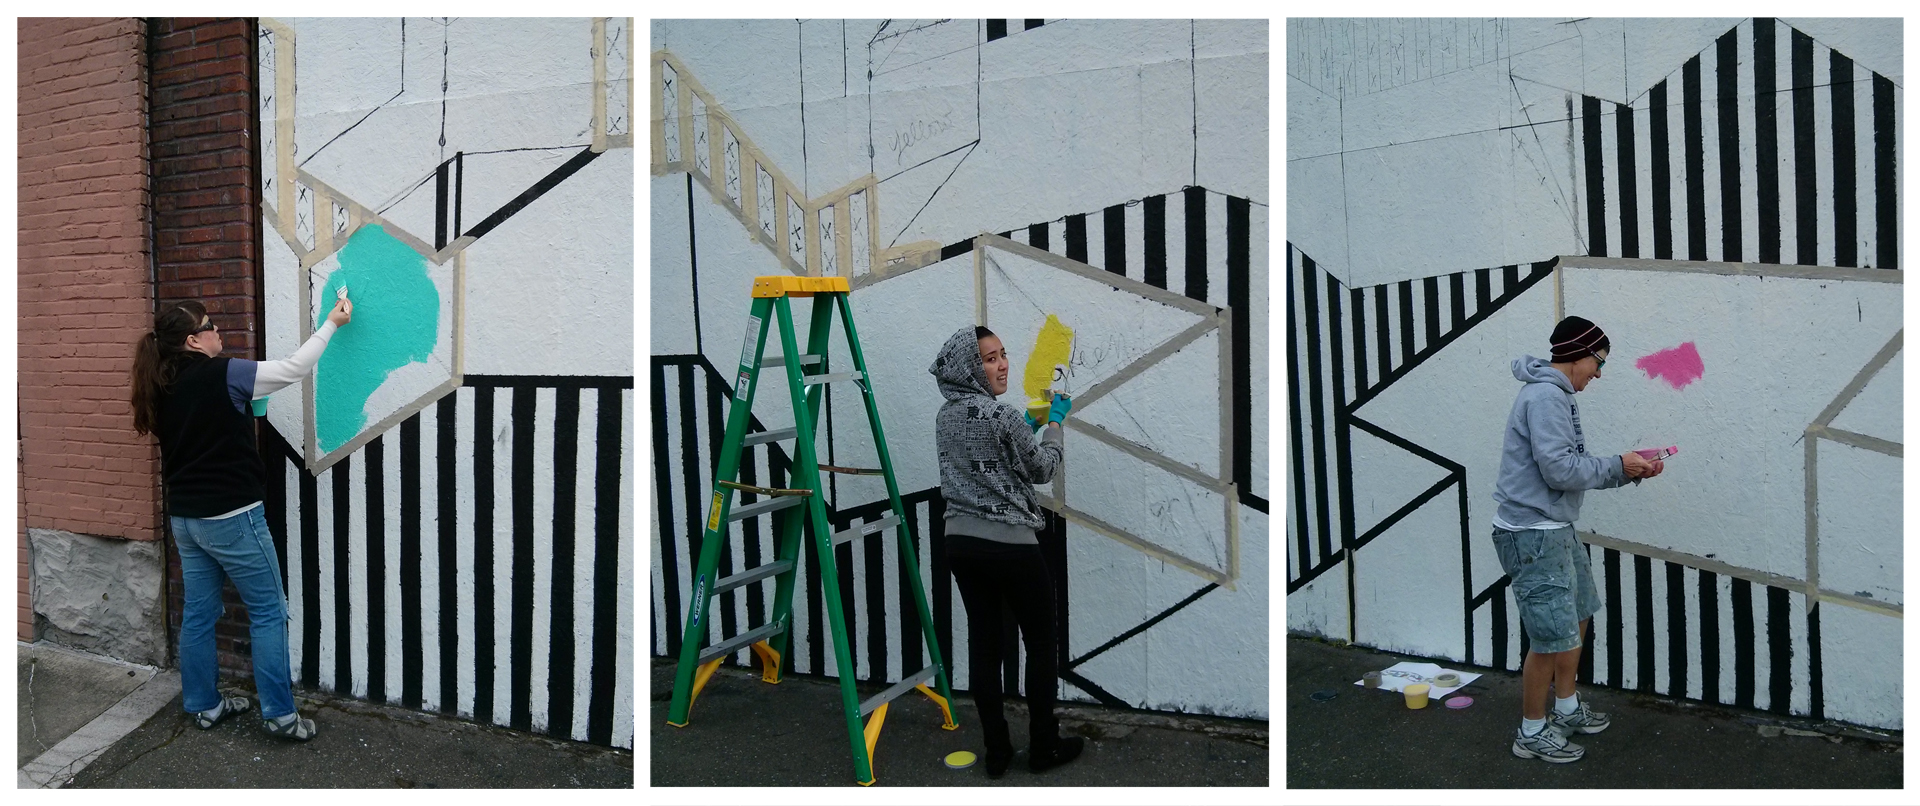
(989, 460)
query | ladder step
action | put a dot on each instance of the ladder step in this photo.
(781, 360)
(731, 645)
(763, 507)
(864, 529)
(811, 380)
(768, 436)
(734, 485)
(852, 471)
(752, 575)
(897, 689)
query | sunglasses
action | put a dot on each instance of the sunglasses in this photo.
(206, 327)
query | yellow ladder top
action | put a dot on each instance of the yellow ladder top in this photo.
(787, 285)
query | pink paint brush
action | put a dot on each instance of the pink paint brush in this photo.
(1656, 454)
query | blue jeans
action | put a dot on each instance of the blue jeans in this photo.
(1552, 582)
(241, 549)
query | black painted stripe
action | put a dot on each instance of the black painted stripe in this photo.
(955, 249)
(849, 596)
(1316, 407)
(1662, 172)
(377, 569)
(446, 420)
(460, 183)
(912, 634)
(1710, 638)
(1886, 179)
(520, 634)
(1142, 626)
(309, 578)
(1511, 274)
(1359, 306)
(277, 459)
(940, 582)
(1766, 147)
(1342, 435)
(1780, 651)
(1805, 160)
(876, 606)
(342, 549)
(1296, 409)
(1629, 190)
(1431, 285)
(1616, 648)
(483, 581)
(1482, 289)
(1727, 70)
(1077, 237)
(441, 206)
(1239, 254)
(1457, 285)
(1693, 139)
(1846, 240)
(1196, 229)
(1643, 620)
(1406, 323)
(1676, 630)
(1053, 546)
(1383, 341)
(566, 471)
(540, 188)
(1743, 637)
(1816, 683)
(1500, 656)
(1589, 637)
(1596, 176)
(1154, 209)
(816, 606)
(1037, 237)
(411, 659)
(996, 29)
(1093, 690)
(1114, 228)
(750, 529)
(1032, 24)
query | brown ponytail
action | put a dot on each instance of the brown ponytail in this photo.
(157, 358)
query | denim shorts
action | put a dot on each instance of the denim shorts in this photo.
(1552, 583)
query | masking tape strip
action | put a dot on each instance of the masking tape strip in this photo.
(1136, 542)
(1736, 269)
(1749, 574)
(1874, 365)
(1148, 455)
(1844, 437)
(1160, 295)
(1145, 362)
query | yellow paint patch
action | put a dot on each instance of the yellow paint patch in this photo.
(1054, 346)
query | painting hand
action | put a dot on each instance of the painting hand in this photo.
(342, 312)
(1061, 405)
(1635, 465)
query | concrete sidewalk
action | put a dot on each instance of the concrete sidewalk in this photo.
(744, 732)
(145, 740)
(1370, 739)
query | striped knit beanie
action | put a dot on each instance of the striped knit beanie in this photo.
(1576, 338)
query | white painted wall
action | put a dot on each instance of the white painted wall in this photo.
(962, 136)
(1411, 162)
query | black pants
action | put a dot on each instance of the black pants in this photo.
(1003, 584)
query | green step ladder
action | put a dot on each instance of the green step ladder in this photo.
(794, 508)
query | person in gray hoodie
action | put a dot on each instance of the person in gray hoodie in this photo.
(989, 462)
(1545, 470)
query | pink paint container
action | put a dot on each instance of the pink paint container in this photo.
(1657, 454)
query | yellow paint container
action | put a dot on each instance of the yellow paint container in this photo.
(1416, 695)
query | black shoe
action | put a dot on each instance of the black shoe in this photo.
(1066, 750)
(997, 764)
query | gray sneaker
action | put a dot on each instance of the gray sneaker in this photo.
(1582, 720)
(1548, 745)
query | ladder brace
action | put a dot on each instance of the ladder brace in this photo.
(763, 507)
(727, 647)
(905, 685)
(865, 529)
(768, 436)
(751, 575)
(813, 380)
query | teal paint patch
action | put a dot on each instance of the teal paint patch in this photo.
(396, 321)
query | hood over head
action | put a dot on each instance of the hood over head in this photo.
(1527, 369)
(958, 367)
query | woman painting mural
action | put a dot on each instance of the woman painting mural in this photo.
(195, 401)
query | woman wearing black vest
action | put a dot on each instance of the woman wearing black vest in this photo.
(197, 403)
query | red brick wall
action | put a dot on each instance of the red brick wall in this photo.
(85, 294)
(206, 216)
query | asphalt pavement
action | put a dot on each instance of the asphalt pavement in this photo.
(83, 727)
(744, 732)
(1369, 738)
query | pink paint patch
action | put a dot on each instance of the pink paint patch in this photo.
(1677, 366)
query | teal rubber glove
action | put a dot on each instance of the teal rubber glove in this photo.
(1061, 405)
(1034, 424)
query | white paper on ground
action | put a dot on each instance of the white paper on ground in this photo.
(1406, 673)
